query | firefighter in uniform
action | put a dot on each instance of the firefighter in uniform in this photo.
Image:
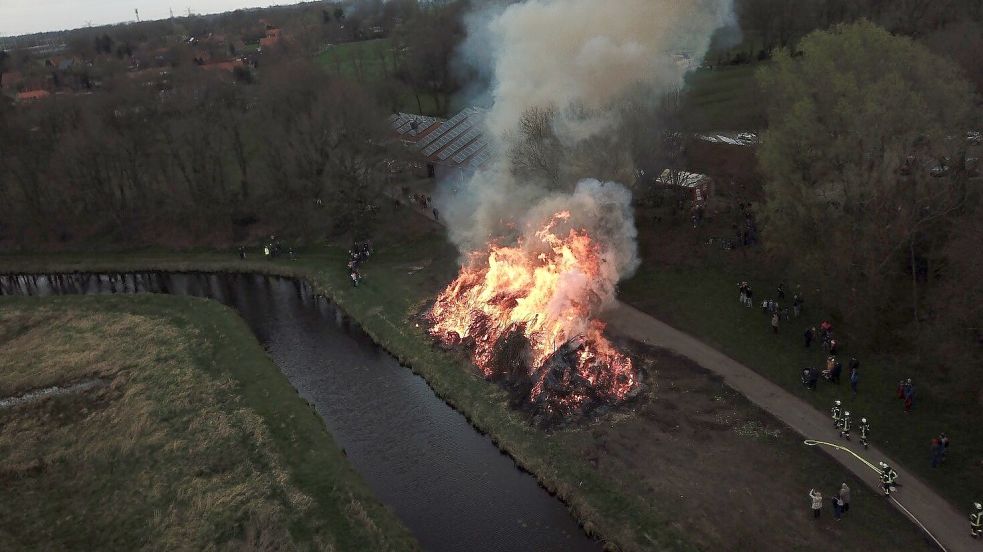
(864, 428)
(845, 424)
(976, 520)
(888, 477)
(836, 412)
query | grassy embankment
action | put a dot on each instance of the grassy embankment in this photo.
(611, 501)
(703, 302)
(194, 439)
(371, 62)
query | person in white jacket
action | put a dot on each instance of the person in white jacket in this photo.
(817, 502)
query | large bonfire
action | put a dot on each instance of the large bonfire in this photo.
(527, 314)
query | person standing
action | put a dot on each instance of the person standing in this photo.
(845, 497)
(944, 439)
(888, 477)
(774, 322)
(837, 507)
(854, 375)
(975, 520)
(817, 502)
(809, 334)
(864, 429)
(845, 424)
(836, 413)
(936, 452)
(781, 290)
(242, 253)
(750, 296)
(909, 396)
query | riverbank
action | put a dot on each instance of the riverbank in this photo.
(629, 478)
(192, 436)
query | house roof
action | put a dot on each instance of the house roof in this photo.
(31, 95)
(682, 178)
(227, 65)
(458, 141)
(412, 127)
(271, 38)
(9, 80)
(730, 138)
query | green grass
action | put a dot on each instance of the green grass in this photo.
(198, 441)
(372, 62)
(703, 302)
(366, 60)
(722, 99)
(605, 503)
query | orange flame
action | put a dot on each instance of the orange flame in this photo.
(547, 286)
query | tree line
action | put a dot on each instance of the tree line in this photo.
(873, 189)
(203, 159)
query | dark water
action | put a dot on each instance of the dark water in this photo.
(447, 483)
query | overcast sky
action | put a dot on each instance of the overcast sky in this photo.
(19, 17)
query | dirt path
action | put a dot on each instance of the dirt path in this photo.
(939, 518)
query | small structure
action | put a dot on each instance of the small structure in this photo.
(697, 186)
(448, 149)
(272, 37)
(28, 96)
(742, 139)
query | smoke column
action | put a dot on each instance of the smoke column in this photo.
(581, 58)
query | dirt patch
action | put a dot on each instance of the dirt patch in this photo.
(725, 473)
(36, 395)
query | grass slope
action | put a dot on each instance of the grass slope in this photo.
(196, 441)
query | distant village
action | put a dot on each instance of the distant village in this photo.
(53, 68)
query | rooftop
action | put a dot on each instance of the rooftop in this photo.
(681, 178)
(32, 95)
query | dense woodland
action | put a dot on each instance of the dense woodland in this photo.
(868, 190)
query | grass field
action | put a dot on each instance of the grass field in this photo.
(647, 458)
(724, 98)
(367, 60)
(372, 62)
(703, 302)
(193, 440)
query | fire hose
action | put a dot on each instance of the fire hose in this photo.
(813, 442)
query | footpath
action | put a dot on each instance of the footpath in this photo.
(942, 523)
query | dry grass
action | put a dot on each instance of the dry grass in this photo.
(166, 456)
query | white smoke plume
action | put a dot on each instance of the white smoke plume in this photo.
(589, 53)
(582, 59)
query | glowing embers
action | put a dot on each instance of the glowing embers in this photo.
(526, 314)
